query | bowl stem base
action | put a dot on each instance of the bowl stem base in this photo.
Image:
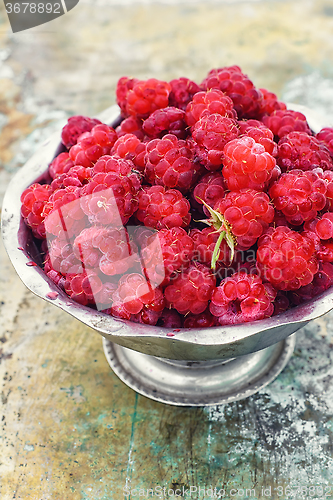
(198, 383)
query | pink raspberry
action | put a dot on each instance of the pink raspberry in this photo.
(170, 163)
(282, 122)
(63, 214)
(60, 165)
(260, 133)
(124, 85)
(164, 121)
(134, 295)
(202, 320)
(299, 150)
(33, 200)
(299, 195)
(162, 208)
(130, 147)
(211, 133)
(248, 213)
(191, 290)
(286, 259)
(246, 164)
(146, 96)
(242, 298)
(76, 126)
(92, 145)
(167, 253)
(269, 103)
(207, 103)
(83, 287)
(62, 258)
(182, 92)
(325, 135)
(233, 82)
(131, 125)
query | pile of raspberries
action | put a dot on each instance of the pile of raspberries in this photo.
(207, 205)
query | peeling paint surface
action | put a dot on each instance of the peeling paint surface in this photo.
(70, 429)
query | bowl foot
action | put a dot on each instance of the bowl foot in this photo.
(198, 383)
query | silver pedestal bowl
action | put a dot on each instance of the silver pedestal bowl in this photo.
(186, 367)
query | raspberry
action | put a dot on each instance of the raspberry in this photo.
(299, 195)
(131, 125)
(130, 147)
(191, 290)
(238, 87)
(282, 122)
(83, 287)
(162, 208)
(322, 280)
(166, 253)
(124, 168)
(269, 103)
(299, 150)
(124, 85)
(76, 176)
(110, 197)
(248, 212)
(211, 133)
(207, 103)
(260, 133)
(164, 121)
(169, 162)
(326, 135)
(247, 164)
(281, 303)
(54, 275)
(146, 96)
(33, 200)
(182, 92)
(60, 165)
(92, 145)
(324, 227)
(205, 241)
(146, 317)
(209, 189)
(62, 258)
(170, 319)
(134, 295)
(76, 126)
(202, 320)
(286, 259)
(327, 177)
(241, 298)
(107, 248)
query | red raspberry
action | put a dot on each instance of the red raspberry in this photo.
(182, 92)
(162, 208)
(238, 87)
(62, 258)
(54, 275)
(131, 125)
(282, 122)
(166, 121)
(166, 253)
(103, 297)
(209, 189)
(33, 200)
(75, 127)
(204, 244)
(169, 162)
(60, 165)
(191, 290)
(75, 176)
(63, 214)
(248, 212)
(146, 96)
(242, 298)
(124, 85)
(170, 319)
(130, 147)
(247, 164)
(327, 177)
(207, 103)
(299, 150)
(211, 133)
(260, 133)
(83, 287)
(299, 195)
(322, 280)
(281, 303)
(269, 103)
(110, 197)
(326, 135)
(107, 248)
(134, 295)
(92, 145)
(146, 317)
(202, 320)
(125, 168)
(323, 227)
(286, 259)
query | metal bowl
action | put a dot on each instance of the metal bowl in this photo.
(194, 366)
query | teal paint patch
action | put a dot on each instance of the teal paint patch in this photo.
(44, 365)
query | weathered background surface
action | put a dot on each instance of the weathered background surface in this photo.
(70, 429)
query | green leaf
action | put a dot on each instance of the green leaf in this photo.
(216, 251)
